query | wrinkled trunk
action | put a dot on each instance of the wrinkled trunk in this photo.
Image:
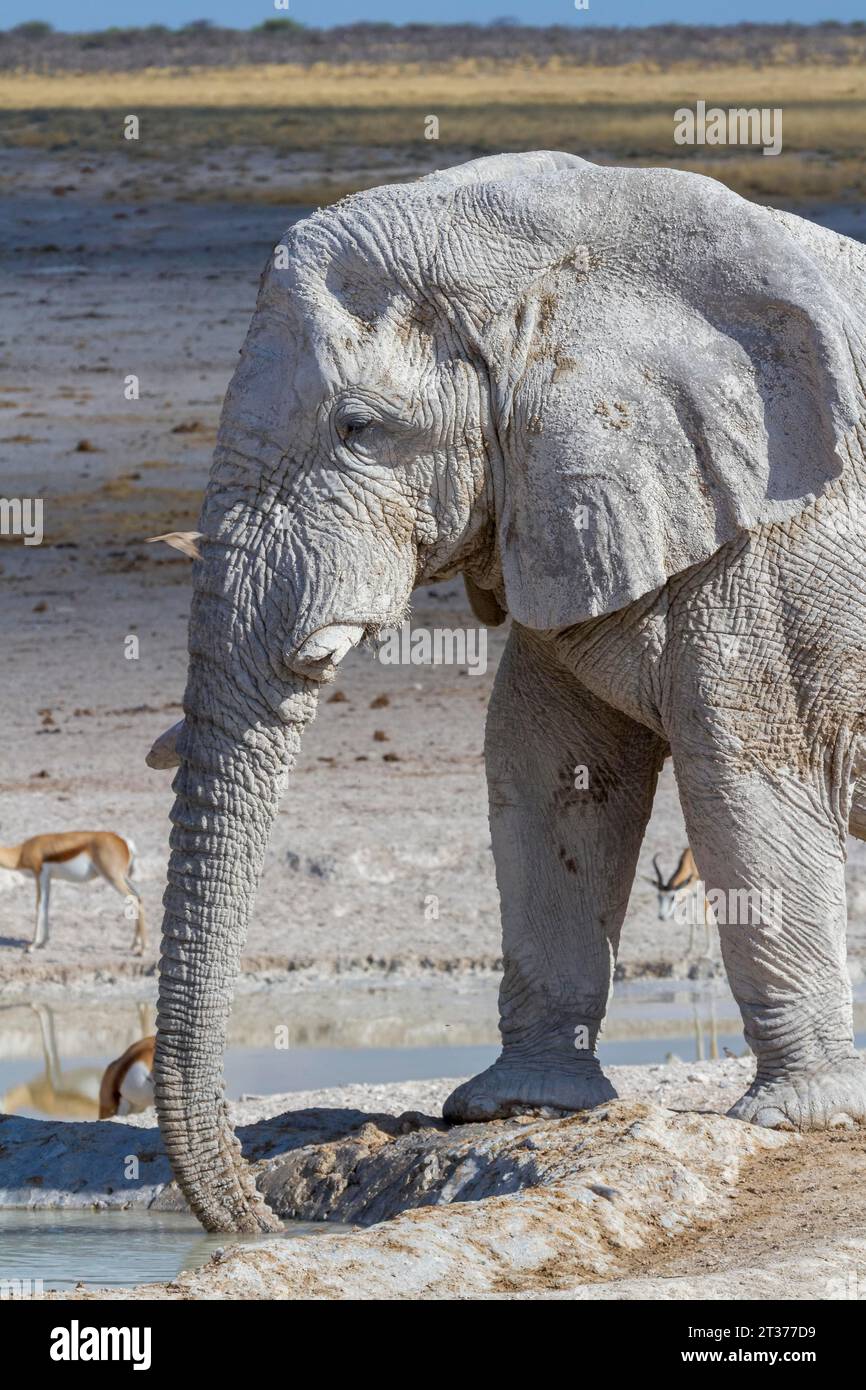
(241, 734)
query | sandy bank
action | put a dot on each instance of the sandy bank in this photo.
(656, 1195)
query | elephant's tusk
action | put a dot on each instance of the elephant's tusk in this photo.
(164, 752)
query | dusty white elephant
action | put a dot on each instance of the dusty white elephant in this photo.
(628, 405)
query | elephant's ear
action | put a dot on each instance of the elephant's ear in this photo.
(669, 367)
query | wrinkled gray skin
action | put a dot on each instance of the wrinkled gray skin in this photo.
(442, 378)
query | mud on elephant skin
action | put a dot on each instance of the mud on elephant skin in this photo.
(628, 406)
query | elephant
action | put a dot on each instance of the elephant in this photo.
(627, 405)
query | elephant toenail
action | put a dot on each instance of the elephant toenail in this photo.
(772, 1118)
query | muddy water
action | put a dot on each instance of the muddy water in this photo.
(64, 1248)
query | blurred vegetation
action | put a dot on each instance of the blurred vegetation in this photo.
(36, 47)
(609, 95)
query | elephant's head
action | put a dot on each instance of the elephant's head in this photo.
(567, 382)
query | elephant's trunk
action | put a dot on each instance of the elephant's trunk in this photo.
(240, 736)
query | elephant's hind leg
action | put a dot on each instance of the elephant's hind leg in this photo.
(770, 846)
(571, 784)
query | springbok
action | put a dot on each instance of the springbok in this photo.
(127, 1086)
(76, 856)
(684, 880)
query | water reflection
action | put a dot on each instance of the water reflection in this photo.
(284, 1039)
(68, 1094)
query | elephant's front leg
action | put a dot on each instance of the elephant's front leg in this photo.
(770, 845)
(571, 784)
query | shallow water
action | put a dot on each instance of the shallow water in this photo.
(343, 1034)
(118, 1248)
(849, 219)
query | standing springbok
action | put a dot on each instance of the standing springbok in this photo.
(684, 880)
(76, 856)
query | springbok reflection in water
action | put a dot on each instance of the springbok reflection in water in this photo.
(71, 1094)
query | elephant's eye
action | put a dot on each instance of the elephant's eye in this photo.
(352, 424)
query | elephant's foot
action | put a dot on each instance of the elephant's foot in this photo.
(512, 1087)
(820, 1099)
